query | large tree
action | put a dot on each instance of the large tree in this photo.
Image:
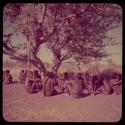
(83, 32)
(69, 30)
(27, 19)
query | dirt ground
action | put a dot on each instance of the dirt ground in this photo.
(20, 106)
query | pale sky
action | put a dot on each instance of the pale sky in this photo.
(117, 49)
(47, 56)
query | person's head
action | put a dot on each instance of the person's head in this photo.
(7, 71)
(119, 76)
(22, 71)
(42, 74)
(114, 75)
(35, 72)
(105, 77)
(79, 76)
(66, 75)
(51, 75)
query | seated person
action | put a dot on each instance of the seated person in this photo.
(106, 87)
(95, 84)
(7, 78)
(75, 88)
(59, 87)
(36, 74)
(30, 84)
(99, 83)
(116, 82)
(22, 77)
(48, 86)
(65, 80)
(88, 82)
(38, 79)
(81, 79)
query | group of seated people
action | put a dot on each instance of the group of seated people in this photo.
(75, 85)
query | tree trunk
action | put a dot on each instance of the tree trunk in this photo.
(55, 68)
(38, 63)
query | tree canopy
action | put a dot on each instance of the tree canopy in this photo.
(76, 31)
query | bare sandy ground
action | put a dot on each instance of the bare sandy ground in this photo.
(18, 105)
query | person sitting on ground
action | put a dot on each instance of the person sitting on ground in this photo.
(38, 79)
(95, 84)
(66, 79)
(22, 77)
(88, 82)
(74, 86)
(99, 83)
(59, 87)
(30, 83)
(7, 77)
(81, 79)
(120, 83)
(106, 87)
(116, 82)
(93, 73)
(42, 75)
(62, 85)
(48, 86)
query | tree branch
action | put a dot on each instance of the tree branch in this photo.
(42, 14)
(48, 36)
(34, 60)
(66, 56)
